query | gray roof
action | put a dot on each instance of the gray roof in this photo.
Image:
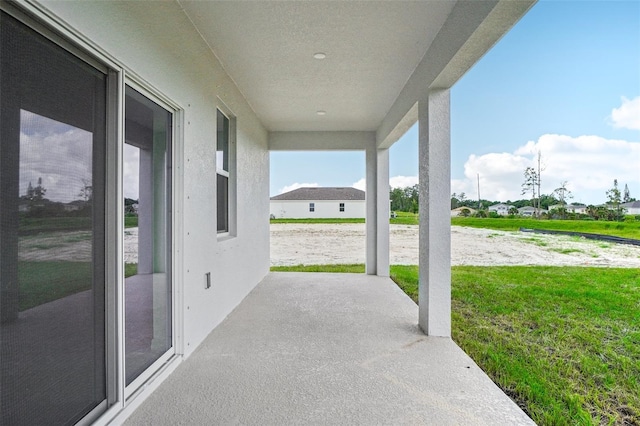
(631, 204)
(321, 194)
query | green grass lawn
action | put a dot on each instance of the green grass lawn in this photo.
(618, 229)
(563, 342)
(320, 220)
(356, 268)
(42, 282)
(402, 218)
(130, 221)
(53, 224)
(405, 218)
(130, 269)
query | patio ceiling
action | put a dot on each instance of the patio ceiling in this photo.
(372, 51)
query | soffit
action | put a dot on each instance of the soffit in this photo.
(267, 48)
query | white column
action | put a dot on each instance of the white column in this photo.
(145, 211)
(382, 243)
(435, 221)
(371, 157)
(377, 262)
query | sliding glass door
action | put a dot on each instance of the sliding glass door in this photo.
(52, 238)
(76, 337)
(147, 192)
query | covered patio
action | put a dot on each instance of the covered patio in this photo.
(313, 348)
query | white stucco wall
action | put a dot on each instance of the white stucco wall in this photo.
(323, 209)
(156, 41)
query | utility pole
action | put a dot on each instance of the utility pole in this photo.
(539, 181)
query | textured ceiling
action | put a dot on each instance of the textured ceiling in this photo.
(267, 47)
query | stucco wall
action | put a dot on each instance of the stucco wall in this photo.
(323, 209)
(156, 41)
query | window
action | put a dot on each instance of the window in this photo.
(341, 207)
(312, 207)
(222, 172)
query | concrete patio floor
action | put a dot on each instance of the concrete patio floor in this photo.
(310, 348)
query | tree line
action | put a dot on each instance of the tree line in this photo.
(406, 200)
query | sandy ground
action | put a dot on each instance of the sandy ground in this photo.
(293, 244)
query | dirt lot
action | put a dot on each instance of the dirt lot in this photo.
(293, 244)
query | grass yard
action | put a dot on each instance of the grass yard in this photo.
(402, 218)
(130, 221)
(53, 224)
(405, 218)
(563, 342)
(618, 229)
(42, 282)
(355, 269)
(320, 220)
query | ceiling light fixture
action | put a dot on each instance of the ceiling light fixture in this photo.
(319, 55)
(321, 112)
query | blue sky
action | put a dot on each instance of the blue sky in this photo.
(565, 81)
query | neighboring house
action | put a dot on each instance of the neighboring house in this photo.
(458, 211)
(303, 203)
(501, 209)
(181, 103)
(632, 207)
(571, 208)
(528, 211)
(577, 208)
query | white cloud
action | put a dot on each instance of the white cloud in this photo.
(298, 185)
(403, 181)
(394, 182)
(58, 153)
(627, 116)
(361, 184)
(588, 163)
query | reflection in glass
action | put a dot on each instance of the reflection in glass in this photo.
(147, 245)
(52, 299)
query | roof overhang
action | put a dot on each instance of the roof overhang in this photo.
(381, 58)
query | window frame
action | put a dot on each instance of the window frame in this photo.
(312, 207)
(230, 174)
(176, 349)
(341, 207)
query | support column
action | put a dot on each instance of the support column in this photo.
(377, 262)
(435, 221)
(371, 157)
(382, 244)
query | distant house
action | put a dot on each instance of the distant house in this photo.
(632, 207)
(304, 203)
(530, 211)
(577, 208)
(571, 208)
(501, 209)
(458, 212)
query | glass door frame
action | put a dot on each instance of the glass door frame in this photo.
(120, 399)
(131, 80)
